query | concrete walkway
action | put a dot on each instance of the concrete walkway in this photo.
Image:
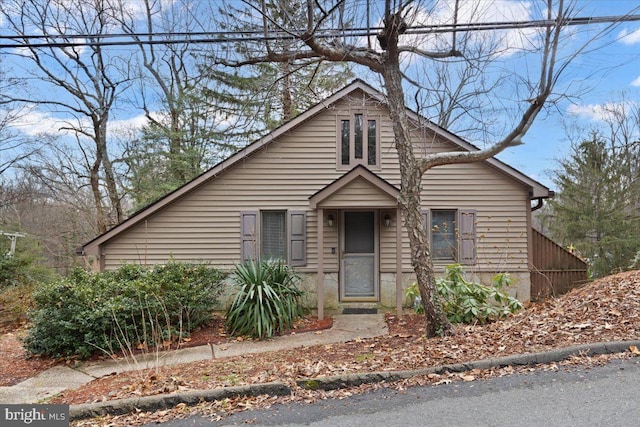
(59, 378)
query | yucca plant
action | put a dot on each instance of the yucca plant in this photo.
(268, 300)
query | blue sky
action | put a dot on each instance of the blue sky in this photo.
(593, 80)
(598, 79)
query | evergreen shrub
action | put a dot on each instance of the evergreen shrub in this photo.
(133, 306)
(468, 302)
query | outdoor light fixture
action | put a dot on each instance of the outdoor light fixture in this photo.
(330, 220)
(387, 220)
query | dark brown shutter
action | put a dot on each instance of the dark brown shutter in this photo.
(249, 235)
(297, 238)
(467, 237)
(426, 217)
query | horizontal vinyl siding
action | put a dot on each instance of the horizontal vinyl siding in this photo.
(205, 224)
(500, 203)
(501, 208)
(358, 194)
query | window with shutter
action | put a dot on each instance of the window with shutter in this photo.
(452, 234)
(273, 243)
(274, 235)
(443, 235)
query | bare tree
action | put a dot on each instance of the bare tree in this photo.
(14, 146)
(187, 127)
(52, 216)
(79, 84)
(170, 85)
(455, 93)
(312, 34)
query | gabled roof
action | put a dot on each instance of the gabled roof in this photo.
(537, 189)
(358, 172)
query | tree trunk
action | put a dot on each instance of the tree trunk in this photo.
(100, 124)
(94, 179)
(410, 201)
(287, 101)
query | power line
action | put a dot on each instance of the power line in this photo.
(239, 36)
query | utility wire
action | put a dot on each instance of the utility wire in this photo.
(239, 36)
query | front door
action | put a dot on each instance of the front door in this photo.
(359, 260)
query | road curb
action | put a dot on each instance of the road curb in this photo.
(350, 380)
(159, 402)
(164, 401)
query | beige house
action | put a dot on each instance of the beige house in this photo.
(321, 192)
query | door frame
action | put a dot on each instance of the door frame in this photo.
(376, 257)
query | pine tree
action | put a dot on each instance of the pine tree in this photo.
(595, 212)
(271, 93)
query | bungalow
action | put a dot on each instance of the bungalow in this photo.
(321, 191)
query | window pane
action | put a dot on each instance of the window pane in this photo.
(357, 136)
(443, 234)
(359, 229)
(359, 277)
(345, 142)
(371, 142)
(273, 235)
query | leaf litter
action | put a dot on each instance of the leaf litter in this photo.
(607, 309)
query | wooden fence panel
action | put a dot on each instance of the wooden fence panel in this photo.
(555, 270)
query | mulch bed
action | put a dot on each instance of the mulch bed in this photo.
(18, 366)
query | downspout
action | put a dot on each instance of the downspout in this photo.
(538, 205)
(539, 201)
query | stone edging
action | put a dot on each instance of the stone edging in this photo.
(192, 397)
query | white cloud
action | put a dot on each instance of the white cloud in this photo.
(37, 123)
(636, 82)
(504, 42)
(135, 122)
(629, 38)
(137, 10)
(600, 112)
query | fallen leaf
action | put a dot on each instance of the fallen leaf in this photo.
(584, 325)
(634, 350)
(444, 381)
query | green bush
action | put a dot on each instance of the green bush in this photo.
(133, 306)
(22, 269)
(26, 266)
(15, 301)
(467, 302)
(268, 301)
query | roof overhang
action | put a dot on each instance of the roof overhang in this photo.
(325, 197)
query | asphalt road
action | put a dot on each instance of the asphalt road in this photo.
(600, 396)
